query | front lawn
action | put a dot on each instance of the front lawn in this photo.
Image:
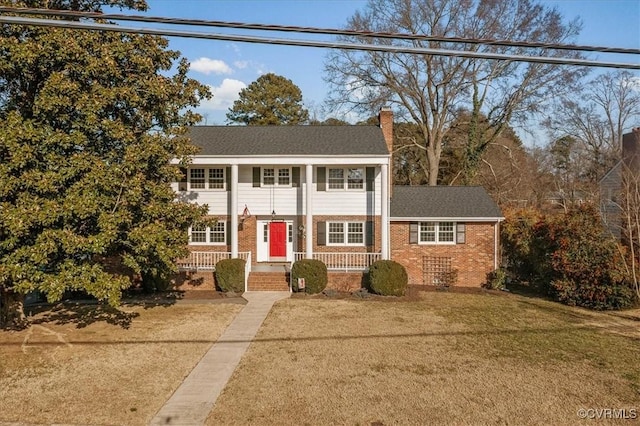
(443, 359)
(92, 365)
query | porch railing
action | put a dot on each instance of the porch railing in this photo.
(206, 260)
(343, 261)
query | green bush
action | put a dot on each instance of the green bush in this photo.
(314, 273)
(496, 279)
(569, 256)
(230, 275)
(156, 282)
(388, 278)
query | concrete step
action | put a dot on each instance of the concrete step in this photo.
(268, 281)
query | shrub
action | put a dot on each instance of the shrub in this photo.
(388, 278)
(230, 275)
(496, 279)
(314, 273)
(153, 282)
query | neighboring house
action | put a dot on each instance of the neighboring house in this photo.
(284, 193)
(611, 184)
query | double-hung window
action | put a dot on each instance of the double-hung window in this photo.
(274, 176)
(207, 178)
(201, 234)
(347, 179)
(345, 233)
(436, 233)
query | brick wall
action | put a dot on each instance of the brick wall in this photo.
(345, 281)
(473, 260)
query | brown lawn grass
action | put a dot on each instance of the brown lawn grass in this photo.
(119, 370)
(443, 359)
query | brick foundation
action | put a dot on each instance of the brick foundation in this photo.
(345, 281)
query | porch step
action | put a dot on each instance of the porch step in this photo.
(268, 281)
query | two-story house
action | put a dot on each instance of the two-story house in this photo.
(283, 193)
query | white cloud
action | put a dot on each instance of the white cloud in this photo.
(223, 95)
(208, 66)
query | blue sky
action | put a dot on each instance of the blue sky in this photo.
(227, 67)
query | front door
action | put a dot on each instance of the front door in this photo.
(277, 239)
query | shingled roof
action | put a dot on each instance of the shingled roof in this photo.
(289, 140)
(440, 202)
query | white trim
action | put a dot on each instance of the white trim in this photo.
(345, 179)
(207, 231)
(345, 233)
(301, 160)
(436, 230)
(446, 219)
(206, 178)
(276, 174)
(309, 211)
(233, 211)
(385, 243)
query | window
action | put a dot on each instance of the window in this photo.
(290, 232)
(336, 233)
(217, 233)
(354, 179)
(207, 178)
(336, 179)
(346, 179)
(345, 233)
(276, 176)
(201, 234)
(216, 178)
(437, 233)
(197, 178)
(198, 234)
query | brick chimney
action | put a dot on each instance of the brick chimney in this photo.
(631, 150)
(386, 124)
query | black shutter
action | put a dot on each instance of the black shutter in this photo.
(182, 183)
(227, 228)
(413, 233)
(322, 234)
(460, 233)
(371, 175)
(227, 175)
(322, 179)
(369, 236)
(256, 177)
(295, 177)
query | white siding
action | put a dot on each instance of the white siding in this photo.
(289, 201)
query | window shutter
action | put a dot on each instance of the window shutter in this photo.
(295, 177)
(369, 236)
(460, 233)
(322, 234)
(413, 233)
(322, 179)
(256, 177)
(227, 175)
(182, 183)
(227, 229)
(371, 175)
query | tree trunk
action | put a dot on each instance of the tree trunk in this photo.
(12, 309)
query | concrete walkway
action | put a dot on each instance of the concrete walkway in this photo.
(193, 400)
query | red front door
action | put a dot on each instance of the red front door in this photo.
(277, 239)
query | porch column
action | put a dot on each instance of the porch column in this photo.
(384, 211)
(308, 227)
(233, 211)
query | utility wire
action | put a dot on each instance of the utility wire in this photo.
(313, 30)
(309, 43)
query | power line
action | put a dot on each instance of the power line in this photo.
(313, 30)
(309, 43)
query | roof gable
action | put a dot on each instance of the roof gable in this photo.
(439, 202)
(288, 141)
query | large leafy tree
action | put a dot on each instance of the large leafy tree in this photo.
(270, 100)
(89, 124)
(427, 89)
